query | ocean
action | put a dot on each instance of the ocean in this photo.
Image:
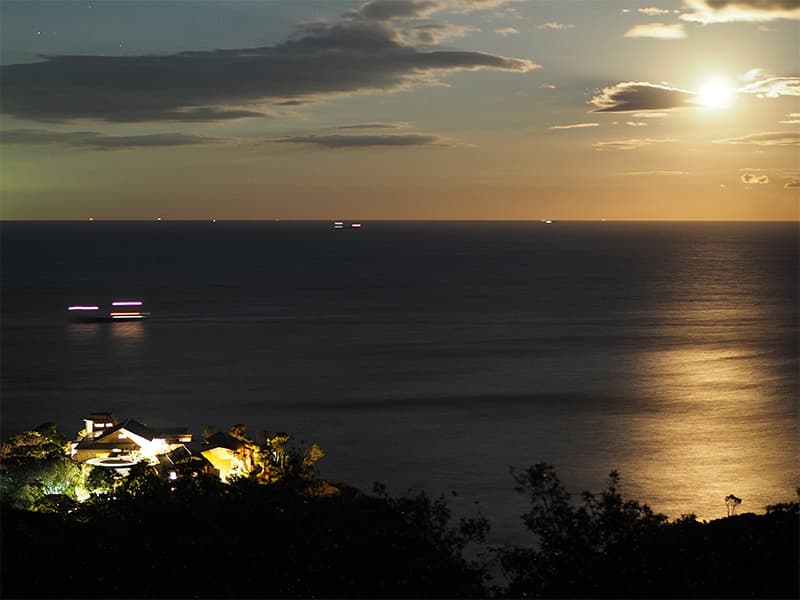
(432, 355)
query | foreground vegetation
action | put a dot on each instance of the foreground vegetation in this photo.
(296, 536)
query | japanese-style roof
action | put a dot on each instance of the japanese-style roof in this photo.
(142, 430)
(182, 457)
(183, 453)
(137, 428)
(109, 439)
(223, 440)
(90, 444)
(100, 416)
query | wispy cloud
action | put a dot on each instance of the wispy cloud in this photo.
(754, 74)
(653, 11)
(633, 96)
(504, 31)
(376, 125)
(753, 178)
(555, 25)
(793, 184)
(363, 141)
(98, 141)
(633, 144)
(774, 87)
(349, 56)
(574, 126)
(768, 138)
(731, 11)
(792, 118)
(658, 31)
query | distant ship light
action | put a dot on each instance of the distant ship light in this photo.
(83, 308)
(126, 303)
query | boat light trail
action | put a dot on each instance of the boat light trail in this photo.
(83, 308)
(131, 303)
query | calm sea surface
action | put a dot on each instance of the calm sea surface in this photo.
(432, 355)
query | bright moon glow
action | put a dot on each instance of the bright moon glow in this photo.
(716, 93)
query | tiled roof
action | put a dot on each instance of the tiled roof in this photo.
(223, 440)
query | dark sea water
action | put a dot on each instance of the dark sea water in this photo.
(432, 355)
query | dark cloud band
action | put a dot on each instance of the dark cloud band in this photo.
(98, 141)
(326, 59)
(634, 96)
(362, 141)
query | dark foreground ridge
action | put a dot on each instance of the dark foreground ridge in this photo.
(145, 535)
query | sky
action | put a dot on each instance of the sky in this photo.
(400, 109)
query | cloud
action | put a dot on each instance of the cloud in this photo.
(433, 33)
(753, 74)
(547, 86)
(629, 144)
(388, 10)
(556, 26)
(731, 11)
(347, 57)
(658, 31)
(769, 138)
(396, 10)
(632, 96)
(507, 31)
(574, 126)
(98, 141)
(649, 115)
(794, 183)
(394, 125)
(653, 11)
(363, 141)
(753, 178)
(774, 87)
(636, 123)
(792, 118)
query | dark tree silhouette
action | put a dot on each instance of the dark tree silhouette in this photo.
(732, 503)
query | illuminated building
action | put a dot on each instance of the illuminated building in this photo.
(106, 438)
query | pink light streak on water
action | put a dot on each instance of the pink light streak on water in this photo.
(131, 303)
(83, 308)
